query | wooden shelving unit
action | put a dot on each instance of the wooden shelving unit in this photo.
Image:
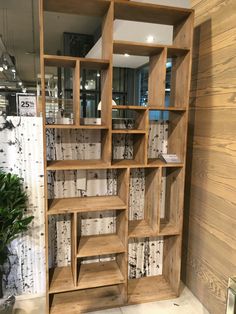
(81, 287)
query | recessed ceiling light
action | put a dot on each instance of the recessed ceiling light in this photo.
(20, 83)
(98, 74)
(13, 70)
(1, 69)
(126, 55)
(150, 39)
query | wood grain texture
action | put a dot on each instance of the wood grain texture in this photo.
(209, 250)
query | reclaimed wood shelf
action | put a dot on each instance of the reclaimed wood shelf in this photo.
(83, 301)
(128, 131)
(76, 164)
(123, 107)
(70, 62)
(140, 229)
(88, 283)
(85, 204)
(73, 126)
(100, 245)
(149, 289)
(99, 274)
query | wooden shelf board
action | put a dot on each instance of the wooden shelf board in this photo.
(159, 108)
(82, 301)
(61, 279)
(168, 229)
(99, 274)
(123, 163)
(145, 49)
(140, 229)
(76, 164)
(156, 162)
(136, 49)
(81, 7)
(85, 204)
(67, 61)
(73, 126)
(150, 13)
(149, 289)
(100, 245)
(173, 52)
(128, 131)
(122, 107)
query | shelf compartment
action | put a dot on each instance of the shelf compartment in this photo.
(171, 201)
(131, 148)
(61, 279)
(144, 216)
(140, 229)
(149, 289)
(100, 245)
(99, 274)
(129, 120)
(150, 13)
(80, 301)
(167, 134)
(178, 75)
(80, 7)
(85, 204)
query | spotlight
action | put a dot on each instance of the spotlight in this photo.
(13, 70)
(150, 39)
(1, 68)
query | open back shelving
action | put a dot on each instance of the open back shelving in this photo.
(83, 287)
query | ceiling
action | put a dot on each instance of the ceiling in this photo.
(20, 33)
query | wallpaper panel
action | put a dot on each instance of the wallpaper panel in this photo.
(21, 153)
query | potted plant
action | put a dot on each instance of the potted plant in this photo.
(13, 206)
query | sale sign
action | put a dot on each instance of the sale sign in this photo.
(26, 104)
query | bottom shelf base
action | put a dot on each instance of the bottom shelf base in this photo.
(149, 289)
(83, 301)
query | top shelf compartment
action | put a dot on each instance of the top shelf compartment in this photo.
(124, 10)
(82, 7)
(150, 13)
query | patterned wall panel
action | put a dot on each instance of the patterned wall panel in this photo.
(21, 153)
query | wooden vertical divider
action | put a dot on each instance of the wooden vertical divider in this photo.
(152, 201)
(106, 81)
(183, 38)
(74, 246)
(157, 78)
(122, 228)
(43, 99)
(76, 93)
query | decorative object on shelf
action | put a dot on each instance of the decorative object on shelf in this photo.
(170, 158)
(13, 204)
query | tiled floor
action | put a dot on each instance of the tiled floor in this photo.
(185, 304)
